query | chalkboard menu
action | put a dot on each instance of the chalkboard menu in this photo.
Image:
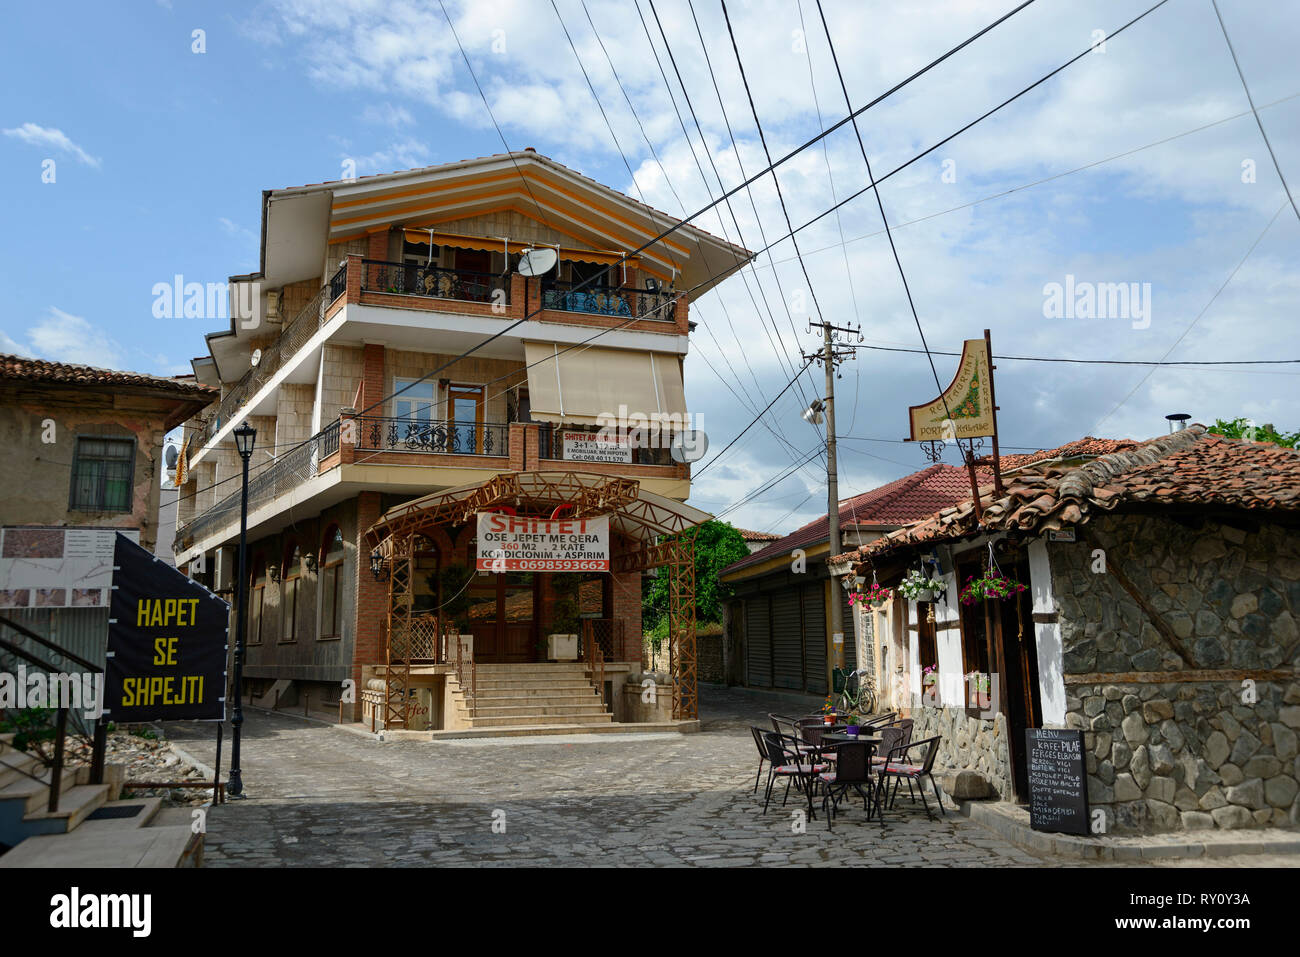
(1058, 789)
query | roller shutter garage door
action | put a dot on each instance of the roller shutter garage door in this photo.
(787, 640)
(758, 643)
(814, 638)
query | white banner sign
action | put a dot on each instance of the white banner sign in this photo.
(56, 567)
(507, 543)
(595, 447)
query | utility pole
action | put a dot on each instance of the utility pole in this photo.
(830, 357)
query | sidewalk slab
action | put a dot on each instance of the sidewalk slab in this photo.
(174, 846)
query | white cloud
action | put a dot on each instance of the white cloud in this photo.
(49, 138)
(63, 337)
(407, 154)
(12, 347)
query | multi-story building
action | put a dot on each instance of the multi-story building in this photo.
(388, 348)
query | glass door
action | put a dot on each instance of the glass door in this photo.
(466, 414)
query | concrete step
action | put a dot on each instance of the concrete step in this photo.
(536, 719)
(536, 693)
(568, 707)
(75, 805)
(147, 810)
(531, 668)
(578, 702)
(35, 795)
(171, 846)
(523, 684)
(14, 763)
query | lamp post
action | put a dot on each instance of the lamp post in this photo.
(245, 436)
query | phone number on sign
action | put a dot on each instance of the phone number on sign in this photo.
(542, 565)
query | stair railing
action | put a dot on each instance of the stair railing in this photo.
(462, 661)
(595, 658)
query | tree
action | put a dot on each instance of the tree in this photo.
(1242, 428)
(717, 545)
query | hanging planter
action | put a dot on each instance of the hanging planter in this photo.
(992, 584)
(916, 586)
(875, 595)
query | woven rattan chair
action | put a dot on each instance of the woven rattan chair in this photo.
(901, 764)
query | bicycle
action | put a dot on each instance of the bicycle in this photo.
(855, 695)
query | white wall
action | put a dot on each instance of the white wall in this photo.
(1047, 637)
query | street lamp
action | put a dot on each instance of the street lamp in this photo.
(245, 436)
(377, 565)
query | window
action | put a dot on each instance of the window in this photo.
(256, 599)
(290, 580)
(925, 638)
(417, 254)
(331, 583)
(417, 403)
(102, 471)
(601, 277)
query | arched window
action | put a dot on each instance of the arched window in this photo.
(331, 583)
(256, 597)
(290, 580)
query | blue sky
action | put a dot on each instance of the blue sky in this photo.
(161, 155)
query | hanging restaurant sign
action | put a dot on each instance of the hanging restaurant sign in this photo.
(511, 543)
(968, 401)
(166, 643)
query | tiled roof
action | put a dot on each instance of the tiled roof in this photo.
(901, 501)
(1191, 467)
(39, 370)
(752, 536)
(1086, 446)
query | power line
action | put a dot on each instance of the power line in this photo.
(1251, 101)
(1038, 182)
(751, 424)
(1102, 362)
(1183, 335)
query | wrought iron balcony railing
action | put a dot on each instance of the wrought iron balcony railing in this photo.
(381, 433)
(412, 279)
(268, 482)
(624, 302)
(292, 337)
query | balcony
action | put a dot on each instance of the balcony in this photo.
(434, 282)
(382, 433)
(340, 457)
(623, 302)
(292, 338)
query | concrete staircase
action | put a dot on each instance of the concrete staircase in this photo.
(73, 836)
(537, 694)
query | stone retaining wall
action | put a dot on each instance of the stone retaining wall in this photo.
(968, 742)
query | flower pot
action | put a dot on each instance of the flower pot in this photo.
(853, 730)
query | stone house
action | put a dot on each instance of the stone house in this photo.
(1160, 617)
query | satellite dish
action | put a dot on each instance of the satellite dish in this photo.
(256, 357)
(171, 455)
(536, 262)
(688, 446)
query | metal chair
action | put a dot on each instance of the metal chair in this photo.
(785, 761)
(898, 766)
(762, 755)
(852, 770)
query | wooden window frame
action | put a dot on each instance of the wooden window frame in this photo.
(78, 458)
(480, 393)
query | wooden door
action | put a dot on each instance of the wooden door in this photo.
(503, 617)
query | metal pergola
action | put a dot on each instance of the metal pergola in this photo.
(659, 528)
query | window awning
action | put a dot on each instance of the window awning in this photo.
(577, 386)
(456, 241)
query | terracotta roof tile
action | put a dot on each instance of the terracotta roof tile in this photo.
(39, 370)
(1191, 467)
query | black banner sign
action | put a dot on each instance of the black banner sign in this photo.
(1058, 789)
(167, 639)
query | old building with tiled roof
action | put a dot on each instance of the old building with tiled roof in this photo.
(85, 461)
(1158, 619)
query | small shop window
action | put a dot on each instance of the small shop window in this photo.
(102, 472)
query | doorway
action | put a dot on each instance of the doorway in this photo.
(503, 616)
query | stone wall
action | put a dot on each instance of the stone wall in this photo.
(1214, 599)
(968, 742)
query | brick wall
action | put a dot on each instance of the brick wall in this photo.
(371, 605)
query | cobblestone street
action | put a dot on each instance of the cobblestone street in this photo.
(324, 797)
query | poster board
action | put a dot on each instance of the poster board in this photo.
(167, 643)
(1058, 786)
(509, 543)
(52, 566)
